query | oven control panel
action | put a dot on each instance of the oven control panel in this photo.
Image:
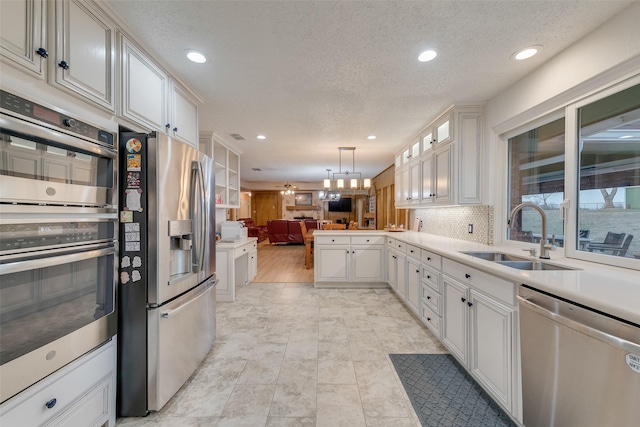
(31, 110)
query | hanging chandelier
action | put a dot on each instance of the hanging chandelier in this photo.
(340, 177)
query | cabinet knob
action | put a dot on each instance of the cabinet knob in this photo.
(411, 250)
(463, 299)
(175, 129)
(428, 277)
(428, 319)
(64, 65)
(428, 297)
(417, 271)
(367, 240)
(428, 258)
(168, 125)
(469, 303)
(50, 404)
(42, 52)
(467, 275)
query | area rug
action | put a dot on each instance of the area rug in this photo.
(444, 394)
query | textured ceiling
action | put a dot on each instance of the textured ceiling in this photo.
(317, 75)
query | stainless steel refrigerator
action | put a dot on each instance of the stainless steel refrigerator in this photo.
(166, 295)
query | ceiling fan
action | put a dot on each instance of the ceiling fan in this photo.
(288, 188)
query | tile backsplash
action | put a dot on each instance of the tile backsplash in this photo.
(453, 221)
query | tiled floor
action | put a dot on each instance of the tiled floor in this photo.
(288, 354)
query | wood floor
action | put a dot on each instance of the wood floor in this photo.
(282, 264)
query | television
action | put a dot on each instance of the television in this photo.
(342, 205)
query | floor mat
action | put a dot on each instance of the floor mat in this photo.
(444, 394)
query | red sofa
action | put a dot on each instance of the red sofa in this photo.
(288, 230)
(253, 230)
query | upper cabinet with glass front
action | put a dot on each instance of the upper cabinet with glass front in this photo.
(227, 169)
(443, 165)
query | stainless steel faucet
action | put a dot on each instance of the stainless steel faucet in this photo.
(545, 247)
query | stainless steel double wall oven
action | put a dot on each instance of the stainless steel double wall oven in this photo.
(58, 240)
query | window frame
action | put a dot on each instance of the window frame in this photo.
(571, 191)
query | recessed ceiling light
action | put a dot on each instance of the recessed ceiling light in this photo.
(427, 55)
(261, 137)
(371, 137)
(526, 53)
(196, 57)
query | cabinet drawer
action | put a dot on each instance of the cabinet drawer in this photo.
(431, 259)
(237, 253)
(332, 240)
(413, 251)
(65, 386)
(367, 240)
(431, 299)
(399, 246)
(431, 321)
(92, 409)
(391, 243)
(491, 285)
(431, 279)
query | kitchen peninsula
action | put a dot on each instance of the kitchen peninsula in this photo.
(469, 303)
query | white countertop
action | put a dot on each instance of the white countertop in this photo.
(233, 245)
(612, 290)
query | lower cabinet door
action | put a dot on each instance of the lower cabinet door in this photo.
(455, 317)
(92, 410)
(332, 264)
(414, 287)
(491, 346)
(367, 264)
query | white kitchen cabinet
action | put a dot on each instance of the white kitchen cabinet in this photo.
(352, 260)
(23, 35)
(455, 333)
(414, 287)
(145, 88)
(478, 327)
(448, 168)
(227, 169)
(392, 269)
(80, 394)
(236, 265)
(83, 60)
(491, 345)
(436, 169)
(183, 123)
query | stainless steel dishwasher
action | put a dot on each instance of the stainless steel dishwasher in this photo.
(580, 367)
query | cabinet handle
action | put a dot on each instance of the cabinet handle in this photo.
(467, 275)
(469, 303)
(50, 404)
(428, 319)
(417, 271)
(428, 277)
(367, 240)
(168, 125)
(64, 65)
(175, 129)
(411, 250)
(42, 52)
(428, 297)
(463, 299)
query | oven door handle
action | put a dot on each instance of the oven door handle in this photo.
(32, 264)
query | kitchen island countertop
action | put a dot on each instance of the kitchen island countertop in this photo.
(612, 290)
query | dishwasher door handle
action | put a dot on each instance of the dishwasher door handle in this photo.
(580, 327)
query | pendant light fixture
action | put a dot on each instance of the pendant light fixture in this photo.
(355, 183)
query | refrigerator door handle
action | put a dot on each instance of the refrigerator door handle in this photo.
(197, 243)
(206, 287)
(203, 217)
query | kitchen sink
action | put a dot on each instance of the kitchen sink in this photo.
(533, 265)
(495, 256)
(513, 261)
